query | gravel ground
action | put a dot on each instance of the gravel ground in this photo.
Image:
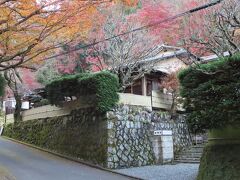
(164, 172)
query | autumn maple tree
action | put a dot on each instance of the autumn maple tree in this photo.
(122, 55)
(208, 30)
(31, 31)
(171, 84)
(220, 32)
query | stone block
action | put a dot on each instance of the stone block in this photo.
(110, 125)
(110, 165)
(110, 159)
(128, 124)
(121, 147)
(119, 153)
(131, 117)
(124, 158)
(119, 117)
(137, 118)
(125, 109)
(110, 150)
(131, 125)
(115, 158)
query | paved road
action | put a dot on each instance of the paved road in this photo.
(19, 162)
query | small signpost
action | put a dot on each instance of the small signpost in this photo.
(163, 146)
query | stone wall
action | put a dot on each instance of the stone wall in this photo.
(120, 138)
(129, 137)
(81, 134)
(130, 131)
(181, 137)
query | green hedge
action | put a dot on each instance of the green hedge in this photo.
(212, 92)
(220, 162)
(103, 85)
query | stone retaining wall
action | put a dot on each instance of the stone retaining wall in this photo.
(181, 135)
(128, 141)
(130, 129)
(118, 139)
(81, 134)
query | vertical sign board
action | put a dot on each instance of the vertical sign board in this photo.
(166, 140)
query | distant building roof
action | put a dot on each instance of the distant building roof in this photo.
(166, 55)
(212, 57)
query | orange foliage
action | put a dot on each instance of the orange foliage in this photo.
(170, 82)
(33, 29)
(130, 2)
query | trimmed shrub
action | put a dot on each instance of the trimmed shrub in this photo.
(212, 92)
(103, 85)
(43, 102)
(220, 162)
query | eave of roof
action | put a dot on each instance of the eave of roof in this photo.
(212, 57)
(165, 55)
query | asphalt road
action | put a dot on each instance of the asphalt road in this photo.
(19, 162)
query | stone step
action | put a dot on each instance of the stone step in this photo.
(189, 153)
(189, 156)
(198, 146)
(187, 161)
(193, 152)
(195, 149)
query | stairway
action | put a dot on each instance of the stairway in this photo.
(190, 155)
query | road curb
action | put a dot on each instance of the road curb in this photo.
(70, 158)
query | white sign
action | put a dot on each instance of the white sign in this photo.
(163, 133)
(25, 105)
(12, 103)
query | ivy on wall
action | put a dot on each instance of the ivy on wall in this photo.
(67, 134)
(2, 85)
(103, 85)
(212, 93)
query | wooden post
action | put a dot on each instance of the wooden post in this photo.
(144, 86)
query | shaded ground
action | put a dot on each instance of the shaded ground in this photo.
(165, 172)
(19, 162)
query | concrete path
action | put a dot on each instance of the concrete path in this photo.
(19, 162)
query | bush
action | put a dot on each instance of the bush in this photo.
(212, 92)
(103, 85)
(220, 162)
(42, 102)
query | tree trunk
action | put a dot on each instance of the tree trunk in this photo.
(12, 78)
(173, 106)
(17, 111)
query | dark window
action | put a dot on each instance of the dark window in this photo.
(137, 87)
(128, 90)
